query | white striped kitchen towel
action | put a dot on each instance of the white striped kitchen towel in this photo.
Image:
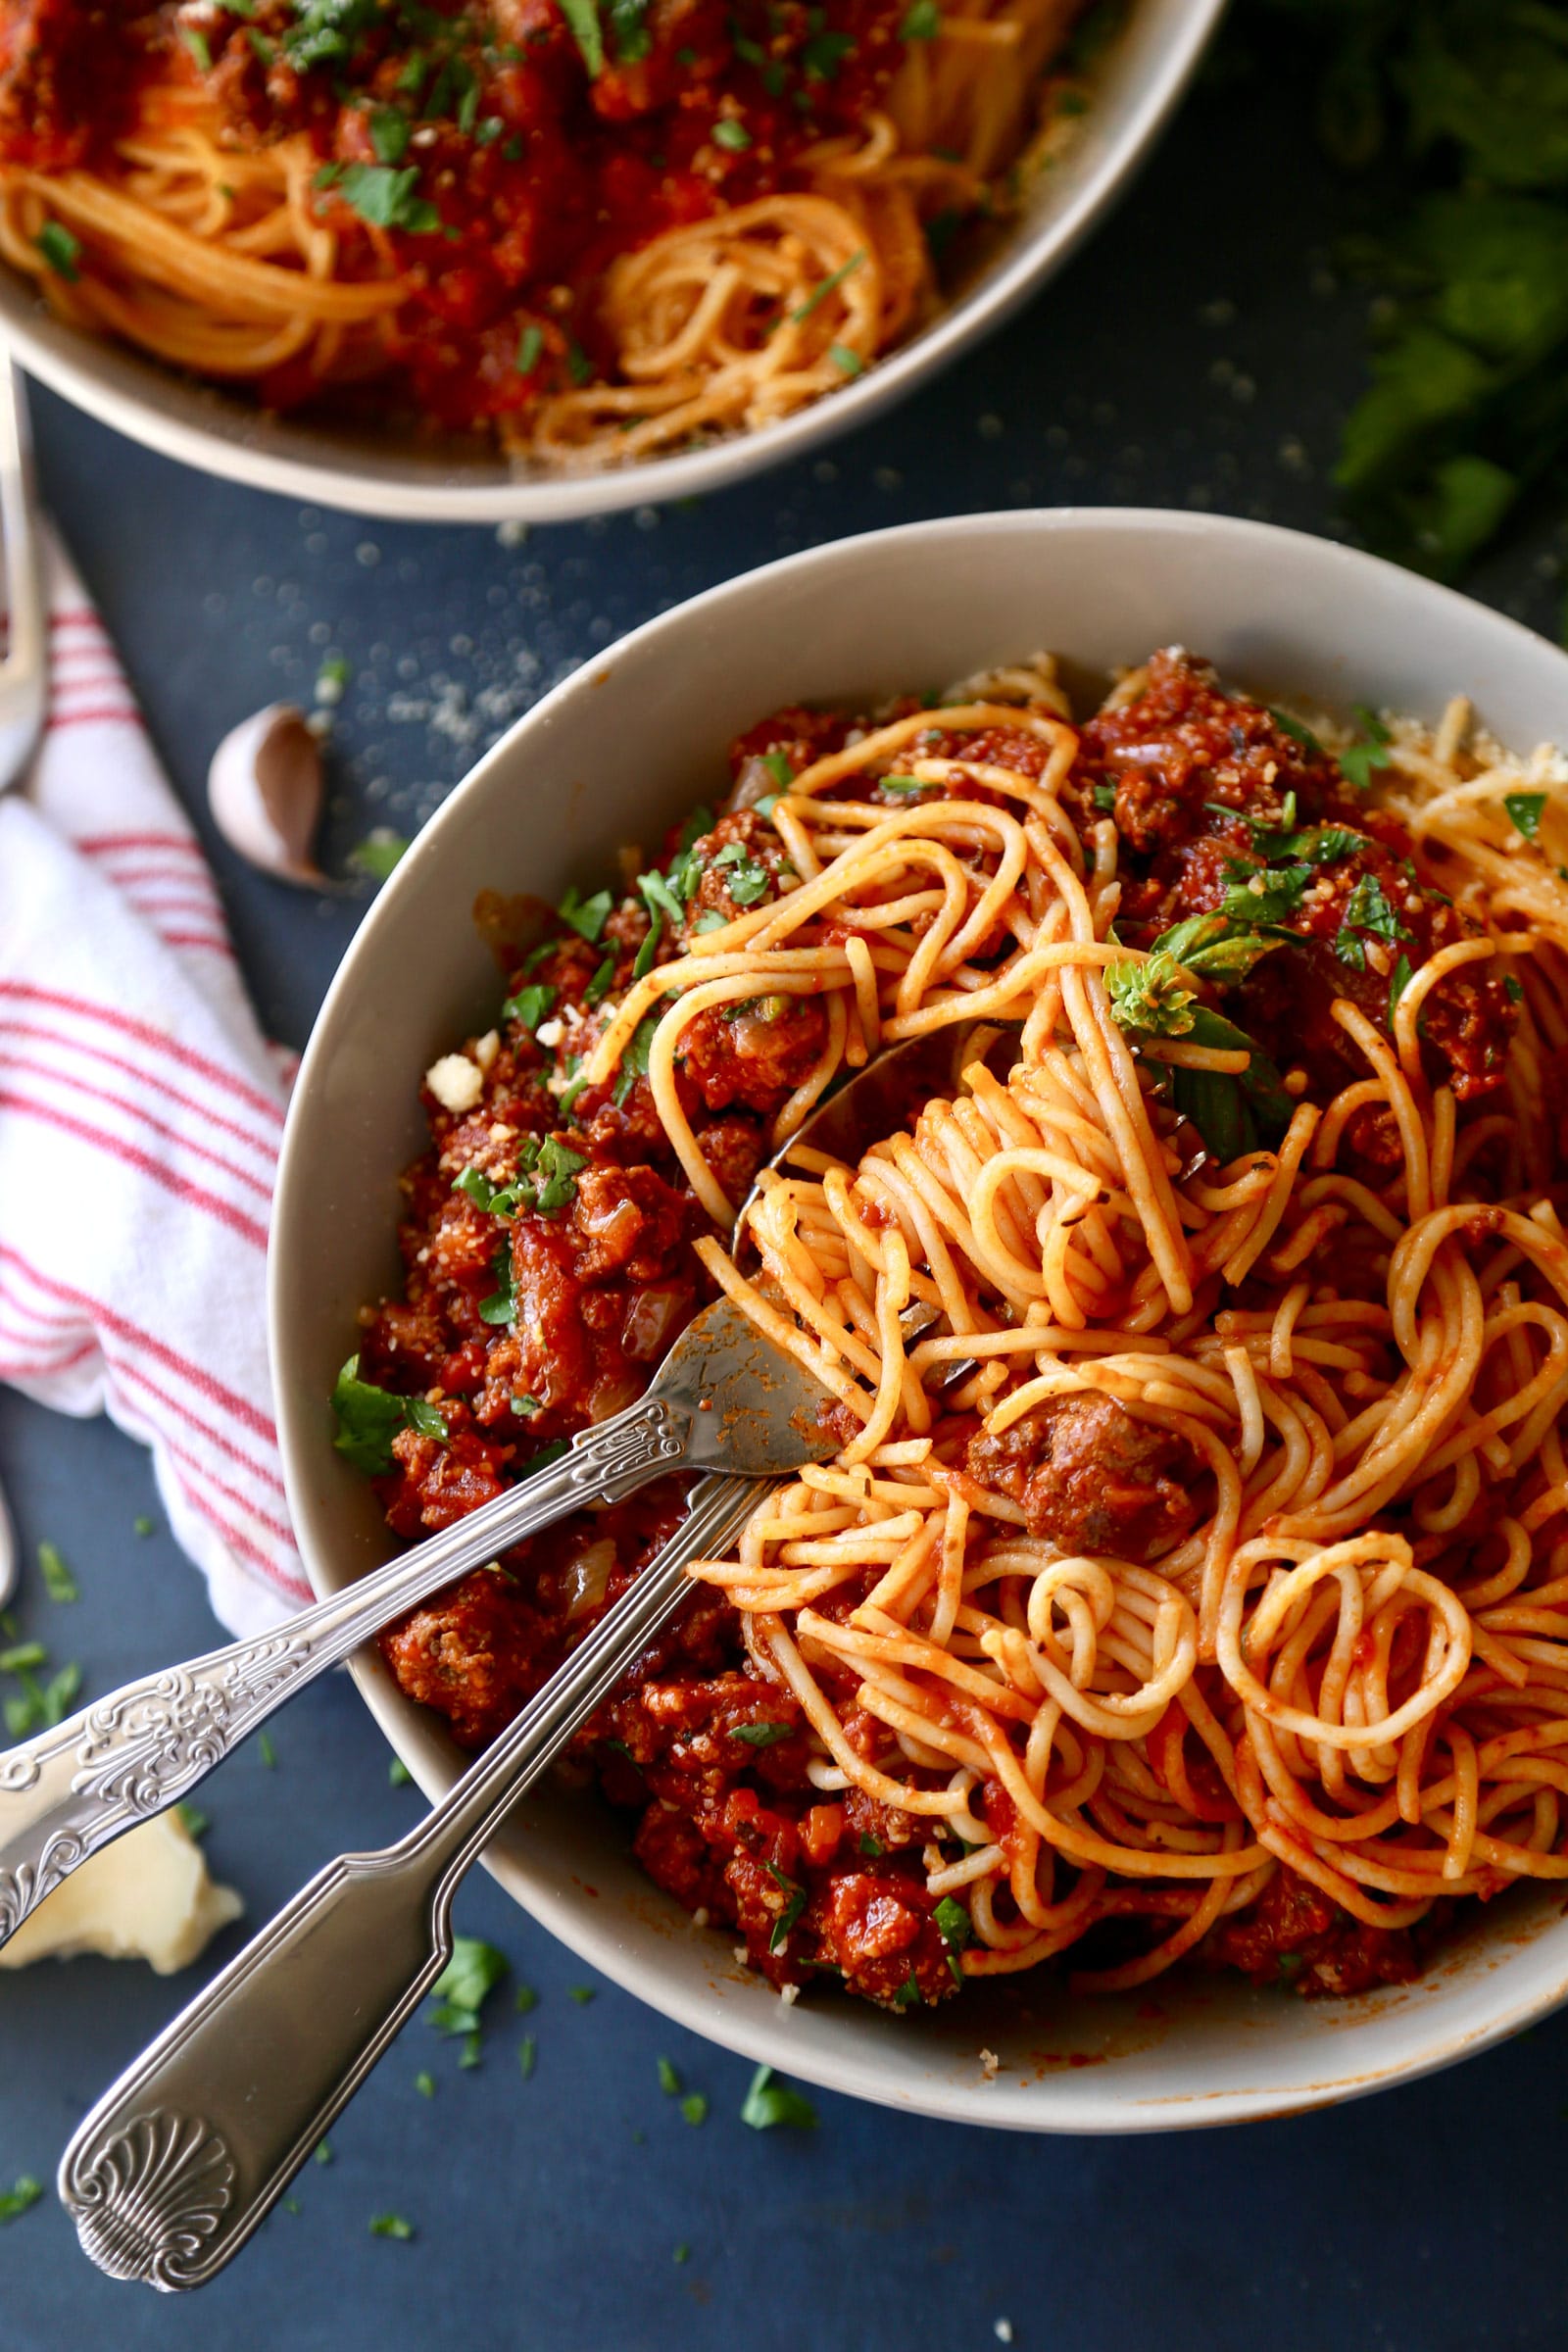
(140, 1115)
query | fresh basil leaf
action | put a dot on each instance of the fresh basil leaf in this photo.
(501, 1307)
(1525, 811)
(586, 916)
(530, 1005)
(762, 1735)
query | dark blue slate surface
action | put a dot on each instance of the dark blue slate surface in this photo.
(1200, 354)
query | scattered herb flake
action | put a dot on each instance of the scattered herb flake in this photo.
(770, 2102)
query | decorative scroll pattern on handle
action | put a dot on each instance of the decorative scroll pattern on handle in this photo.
(147, 2203)
(131, 1754)
(629, 1450)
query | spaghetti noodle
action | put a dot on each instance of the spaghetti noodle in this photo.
(602, 232)
(1192, 1573)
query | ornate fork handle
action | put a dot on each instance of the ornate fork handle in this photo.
(185, 2154)
(70, 1789)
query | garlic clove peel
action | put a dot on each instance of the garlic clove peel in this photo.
(264, 788)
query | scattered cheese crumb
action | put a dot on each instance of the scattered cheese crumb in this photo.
(549, 1033)
(1001, 2330)
(700, 1916)
(456, 1082)
(487, 1047)
(789, 1994)
(988, 2064)
(145, 1898)
(741, 1953)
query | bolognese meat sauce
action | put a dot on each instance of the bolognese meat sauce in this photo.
(547, 1244)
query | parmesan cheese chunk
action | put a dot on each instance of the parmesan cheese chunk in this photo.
(145, 1898)
(456, 1082)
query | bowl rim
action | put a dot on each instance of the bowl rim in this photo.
(87, 371)
(586, 1932)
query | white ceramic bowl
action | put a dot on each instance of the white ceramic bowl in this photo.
(628, 743)
(403, 479)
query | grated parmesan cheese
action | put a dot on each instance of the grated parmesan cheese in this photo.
(456, 1082)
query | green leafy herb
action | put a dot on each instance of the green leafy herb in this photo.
(728, 132)
(558, 1170)
(196, 42)
(1268, 894)
(530, 346)
(794, 1905)
(745, 878)
(583, 1994)
(829, 286)
(1367, 908)
(267, 1752)
(59, 249)
(586, 916)
(846, 361)
(1359, 760)
(501, 1306)
(694, 2107)
(527, 2055)
(1289, 725)
(770, 2102)
(193, 1819)
(323, 2151)
(142, 1526)
(1104, 798)
(1513, 988)
(921, 23)
(634, 1061)
(908, 1995)
(682, 2253)
(58, 1580)
(778, 767)
(1401, 981)
(378, 853)
(529, 1006)
(386, 198)
(760, 1734)
(398, 1774)
(1524, 811)
(25, 2192)
(465, 1984)
(871, 1846)
(669, 2080)
(390, 132)
(525, 1999)
(582, 17)
(391, 2224)
(369, 1418)
(424, 2084)
(823, 54)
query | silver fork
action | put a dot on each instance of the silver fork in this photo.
(24, 674)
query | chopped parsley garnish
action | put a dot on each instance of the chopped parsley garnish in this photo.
(265, 1751)
(727, 132)
(557, 1171)
(59, 249)
(378, 853)
(870, 1845)
(1401, 981)
(745, 878)
(823, 54)
(921, 23)
(530, 1005)
(1513, 988)
(829, 286)
(694, 2107)
(142, 1526)
(795, 1904)
(778, 767)
(1367, 908)
(388, 199)
(369, 1418)
(193, 1821)
(1525, 811)
(527, 2056)
(770, 2102)
(586, 916)
(17, 2199)
(658, 898)
(846, 361)
(1358, 760)
(955, 1927)
(424, 2084)
(398, 1775)
(583, 1994)
(634, 1061)
(196, 42)
(391, 2224)
(465, 1984)
(582, 17)
(530, 345)
(760, 1734)
(669, 2080)
(501, 1306)
(1104, 798)
(58, 1580)
(390, 134)
(525, 2000)
(1297, 730)
(602, 982)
